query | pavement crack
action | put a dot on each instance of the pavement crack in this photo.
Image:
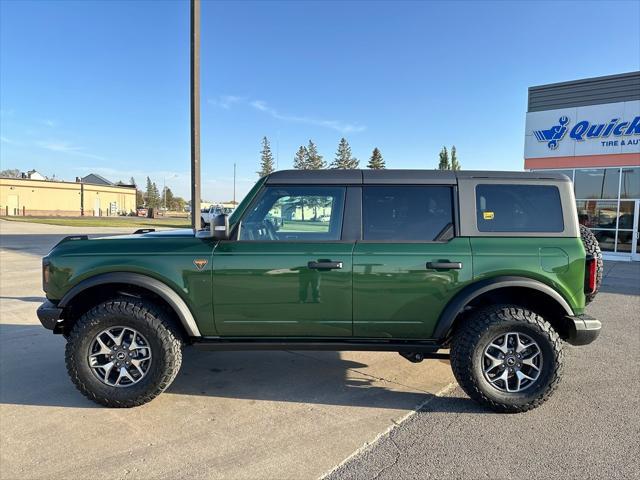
(395, 460)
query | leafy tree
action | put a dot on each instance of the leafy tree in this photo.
(178, 204)
(444, 160)
(376, 162)
(314, 160)
(455, 165)
(266, 159)
(344, 160)
(300, 160)
(10, 173)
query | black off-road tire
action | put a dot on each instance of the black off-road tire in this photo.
(478, 330)
(153, 322)
(592, 247)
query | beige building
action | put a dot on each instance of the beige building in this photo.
(24, 196)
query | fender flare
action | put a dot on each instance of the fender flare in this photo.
(469, 293)
(156, 286)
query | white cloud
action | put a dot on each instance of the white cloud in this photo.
(227, 101)
(68, 148)
(338, 125)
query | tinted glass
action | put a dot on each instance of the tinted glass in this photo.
(630, 185)
(519, 208)
(409, 213)
(597, 213)
(296, 213)
(597, 183)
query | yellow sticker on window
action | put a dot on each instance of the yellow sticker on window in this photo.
(487, 215)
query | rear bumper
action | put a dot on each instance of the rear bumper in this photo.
(49, 315)
(583, 329)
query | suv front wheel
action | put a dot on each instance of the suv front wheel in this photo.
(507, 358)
(123, 352)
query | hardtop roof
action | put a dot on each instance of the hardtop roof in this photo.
(396, 177)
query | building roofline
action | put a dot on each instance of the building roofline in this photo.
(617, 76)
(67, 183)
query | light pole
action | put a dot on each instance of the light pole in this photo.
(195, 115)
(234, 185)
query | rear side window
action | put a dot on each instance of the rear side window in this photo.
(519, 208)
(407, 213)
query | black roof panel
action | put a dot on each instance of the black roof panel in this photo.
(397, 177)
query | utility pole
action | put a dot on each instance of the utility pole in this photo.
(195, 115)
(234, 184)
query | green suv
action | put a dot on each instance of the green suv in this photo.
(492, 266)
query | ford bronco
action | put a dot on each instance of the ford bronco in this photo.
(489, 269)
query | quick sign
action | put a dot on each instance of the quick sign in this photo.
(592, 130)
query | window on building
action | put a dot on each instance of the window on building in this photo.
(408, 213)
(518, 208)
(596, 183)
(630, 184)
(295, 214)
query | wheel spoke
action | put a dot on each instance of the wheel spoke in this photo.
(504, 347)
(529, 361)
(519, 345)
(107, 371)
(495, 362)
(124, 373)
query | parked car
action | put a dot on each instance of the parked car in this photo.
(416, 262)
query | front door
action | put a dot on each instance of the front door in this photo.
(409, 263)
(288, 272)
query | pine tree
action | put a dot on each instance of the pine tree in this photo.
(344, 160)
(314, 160)
(455, 165)
(266, 159)
(376, 162)
(444, 160)
(300, 160)
(152, 195)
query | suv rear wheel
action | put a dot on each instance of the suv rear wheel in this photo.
(507, 358)
(123, 352)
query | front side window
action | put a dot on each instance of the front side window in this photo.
(295, 214)
(407, 213)
(519, 208)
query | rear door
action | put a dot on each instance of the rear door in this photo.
(409, 263)
(289, 272)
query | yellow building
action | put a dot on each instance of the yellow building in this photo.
(23, 196)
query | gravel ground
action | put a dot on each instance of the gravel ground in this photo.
(590, 428)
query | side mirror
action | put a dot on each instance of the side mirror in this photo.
(220, 227)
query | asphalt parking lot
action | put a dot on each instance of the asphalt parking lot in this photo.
(299, 415)
(589, 429)
(227, 415)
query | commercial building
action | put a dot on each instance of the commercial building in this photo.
(590, 130)
(26, 196)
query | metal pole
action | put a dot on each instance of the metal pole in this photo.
(195, 114)
(234, 184)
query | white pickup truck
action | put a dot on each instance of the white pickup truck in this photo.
(207, 214)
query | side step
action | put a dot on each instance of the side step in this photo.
(426, 349)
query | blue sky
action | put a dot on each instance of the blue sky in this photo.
(104, 87)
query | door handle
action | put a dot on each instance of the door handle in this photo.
(444, 265)
(324, 265)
